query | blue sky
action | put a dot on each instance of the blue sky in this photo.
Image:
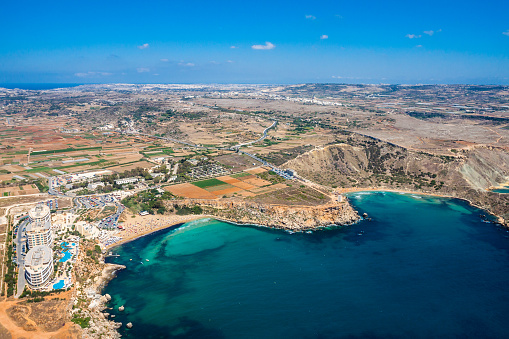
(255, 42)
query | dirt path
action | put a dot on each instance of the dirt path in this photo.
(500, 136)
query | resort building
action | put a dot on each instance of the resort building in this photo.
(87, 230)
(38, 266)
(38, 231)
(126, 181)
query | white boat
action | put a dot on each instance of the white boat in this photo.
(147, 260)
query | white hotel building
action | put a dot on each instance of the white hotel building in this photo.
(38, 266)
(38, 231)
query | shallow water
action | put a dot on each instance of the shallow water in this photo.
(423, 267)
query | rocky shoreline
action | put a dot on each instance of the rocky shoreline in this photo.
(291, 218)
(100, 324)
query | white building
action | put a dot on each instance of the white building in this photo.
(94, 185)
(126, 181)
(87, 230)
(38, 266)
(38, 230)
(63, 221)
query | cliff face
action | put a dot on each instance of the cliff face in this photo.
(296, 218)
(366, 162)
(485, 167)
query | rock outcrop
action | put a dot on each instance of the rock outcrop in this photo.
(294, 218)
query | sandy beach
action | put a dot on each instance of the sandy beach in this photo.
(142, 225)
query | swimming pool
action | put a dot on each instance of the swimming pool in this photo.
(59, 285)
(67, 256)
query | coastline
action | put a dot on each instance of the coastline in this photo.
(500, 220)
(173, 220)
(110, 270)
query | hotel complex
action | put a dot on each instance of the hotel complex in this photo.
(39, 259)
(38, 266)
(39, 228)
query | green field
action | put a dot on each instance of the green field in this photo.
(208, 183)
(39, 169)
(67, 150)
(240, 175)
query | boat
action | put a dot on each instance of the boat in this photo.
(147, 260)
(141, 262)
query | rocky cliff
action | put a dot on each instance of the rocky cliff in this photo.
(365, 162)
(295, 218)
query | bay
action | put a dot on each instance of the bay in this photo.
(422, 267)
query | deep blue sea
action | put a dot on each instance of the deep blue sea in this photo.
(423, 267)
(36, 86)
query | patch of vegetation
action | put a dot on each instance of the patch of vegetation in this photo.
(240, 175)
(151, 201)
(185, 210)
(272, 177)
(67, 150)
(208, 183)
(83, 322)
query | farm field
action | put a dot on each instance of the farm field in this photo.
(242, 184)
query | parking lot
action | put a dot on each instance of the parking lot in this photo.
(97, 201)
(111, 222)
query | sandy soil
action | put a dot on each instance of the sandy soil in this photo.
(33, 328)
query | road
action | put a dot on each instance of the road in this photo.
(19, 257)
(264, 135)
(233, 148)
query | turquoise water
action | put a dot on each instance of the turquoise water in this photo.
(59, 285)
(67, 256)
(423, 267)
(501, 190)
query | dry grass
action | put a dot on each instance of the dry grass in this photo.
(190, 191)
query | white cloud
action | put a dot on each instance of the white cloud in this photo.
(431, 32)
(310, 17)
(142, 70)
(338, 16)
(165, 60)
(229, 61)
(324, 36)
(233, 47)
(186, 64)
(413, 36)
(506, 32)
(268, 45)
(92, 74)
(418, 46)
(144, 46)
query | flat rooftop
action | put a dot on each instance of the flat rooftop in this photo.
(39, 255)
(39, 211)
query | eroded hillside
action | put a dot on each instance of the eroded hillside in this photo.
(364, 162)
